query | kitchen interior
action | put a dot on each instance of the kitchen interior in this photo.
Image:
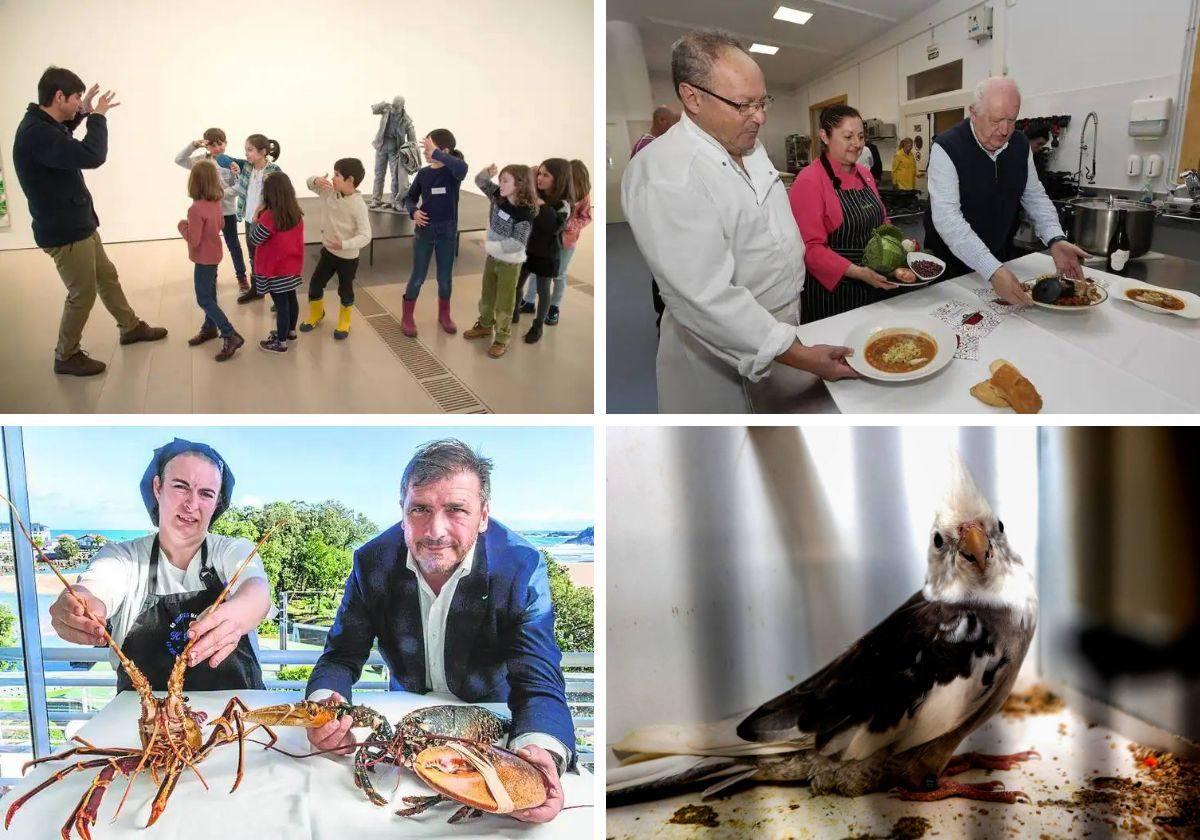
(1114, 88)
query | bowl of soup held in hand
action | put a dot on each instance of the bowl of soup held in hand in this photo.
(908, 348)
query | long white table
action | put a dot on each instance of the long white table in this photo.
(280, 797)
(1116, 358)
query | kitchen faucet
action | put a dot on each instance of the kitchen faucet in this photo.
(1094, 118)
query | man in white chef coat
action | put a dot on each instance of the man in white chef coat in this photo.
(712, 219)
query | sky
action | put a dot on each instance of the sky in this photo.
(83, 478)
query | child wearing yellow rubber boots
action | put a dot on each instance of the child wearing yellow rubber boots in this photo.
(345, 230)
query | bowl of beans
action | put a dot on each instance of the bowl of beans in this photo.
(926, 266)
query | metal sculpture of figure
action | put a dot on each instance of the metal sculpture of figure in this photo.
(396, 150)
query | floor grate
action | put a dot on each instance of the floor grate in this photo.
(443, 387)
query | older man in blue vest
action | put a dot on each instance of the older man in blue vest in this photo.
(980, 174)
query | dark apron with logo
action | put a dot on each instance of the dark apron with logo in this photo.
(862, 212)
(160, 632)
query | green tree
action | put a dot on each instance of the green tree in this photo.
(312, 547)
(574, 610)
(7, 622)
(67, 548)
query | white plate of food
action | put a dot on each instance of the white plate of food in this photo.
(1050, 291)
(1160, 300)
(900, 348)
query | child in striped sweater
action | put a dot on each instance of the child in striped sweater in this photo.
(278, 238)
(513, 204)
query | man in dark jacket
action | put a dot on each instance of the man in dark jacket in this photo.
(49, 164)
(459, 605)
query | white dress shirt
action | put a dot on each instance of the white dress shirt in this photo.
(723, 245)
(865, 158)
(435, 614)
(942, 182)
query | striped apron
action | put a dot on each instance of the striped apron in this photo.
(862, 212)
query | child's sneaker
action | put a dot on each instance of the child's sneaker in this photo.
(272, 335)
(526, 306)
(552, 316)
(478, 331)
(273, 345)
(497, 350)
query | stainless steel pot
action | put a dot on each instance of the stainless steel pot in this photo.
(1094, 220)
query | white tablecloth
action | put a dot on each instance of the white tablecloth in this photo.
(280, 797)
(1116, 358)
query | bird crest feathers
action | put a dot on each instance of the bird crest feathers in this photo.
(963, 501)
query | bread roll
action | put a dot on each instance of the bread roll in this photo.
(1012, 385)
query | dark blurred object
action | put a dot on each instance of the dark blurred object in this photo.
(1060, 185)
(898, 202)
(1113, 653)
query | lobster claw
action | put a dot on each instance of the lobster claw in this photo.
(482, 776)
(309, 714)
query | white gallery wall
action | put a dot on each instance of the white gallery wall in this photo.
(514, 84)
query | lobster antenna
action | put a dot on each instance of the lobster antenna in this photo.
(175, 681)
(135, 676)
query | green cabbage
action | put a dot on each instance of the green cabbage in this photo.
(885, 250)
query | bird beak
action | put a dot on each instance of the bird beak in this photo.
(974, 546)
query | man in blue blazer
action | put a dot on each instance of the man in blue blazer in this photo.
(459, 604)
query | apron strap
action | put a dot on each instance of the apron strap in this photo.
(208, 575)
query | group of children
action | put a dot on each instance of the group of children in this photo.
(534, 222)
(536, 215)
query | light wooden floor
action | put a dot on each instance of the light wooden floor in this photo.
(360, 374)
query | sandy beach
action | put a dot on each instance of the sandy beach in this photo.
(46, 584)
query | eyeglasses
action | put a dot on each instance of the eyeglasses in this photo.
(746, 109)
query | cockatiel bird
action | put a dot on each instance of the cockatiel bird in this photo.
(889, 712)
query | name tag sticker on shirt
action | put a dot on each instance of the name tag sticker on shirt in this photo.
(438, 191)
(503, 215)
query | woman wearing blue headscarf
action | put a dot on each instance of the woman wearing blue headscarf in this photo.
(151, 589)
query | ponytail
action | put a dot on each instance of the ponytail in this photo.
(266, 145)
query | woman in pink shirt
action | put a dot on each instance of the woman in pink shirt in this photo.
(837, 205)
(202, 231)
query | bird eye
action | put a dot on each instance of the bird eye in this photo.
(937, 540)
(1000, 523)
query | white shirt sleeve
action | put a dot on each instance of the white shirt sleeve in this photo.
(547, 742)
(946, 209)
(678, 231)
(1038, 206)
(110, 576)
(230, 555)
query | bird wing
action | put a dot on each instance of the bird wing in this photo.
(919, 674)
(717, 738)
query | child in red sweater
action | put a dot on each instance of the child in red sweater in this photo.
(278, 238)
(202, 231)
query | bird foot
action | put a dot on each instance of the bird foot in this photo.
(979, 792)
(982, 761)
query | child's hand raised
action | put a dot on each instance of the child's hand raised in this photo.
(233, 167)
(322, 182)
(492, 170)
(428, 145)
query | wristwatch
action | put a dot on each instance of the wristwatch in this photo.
(1056, 239)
